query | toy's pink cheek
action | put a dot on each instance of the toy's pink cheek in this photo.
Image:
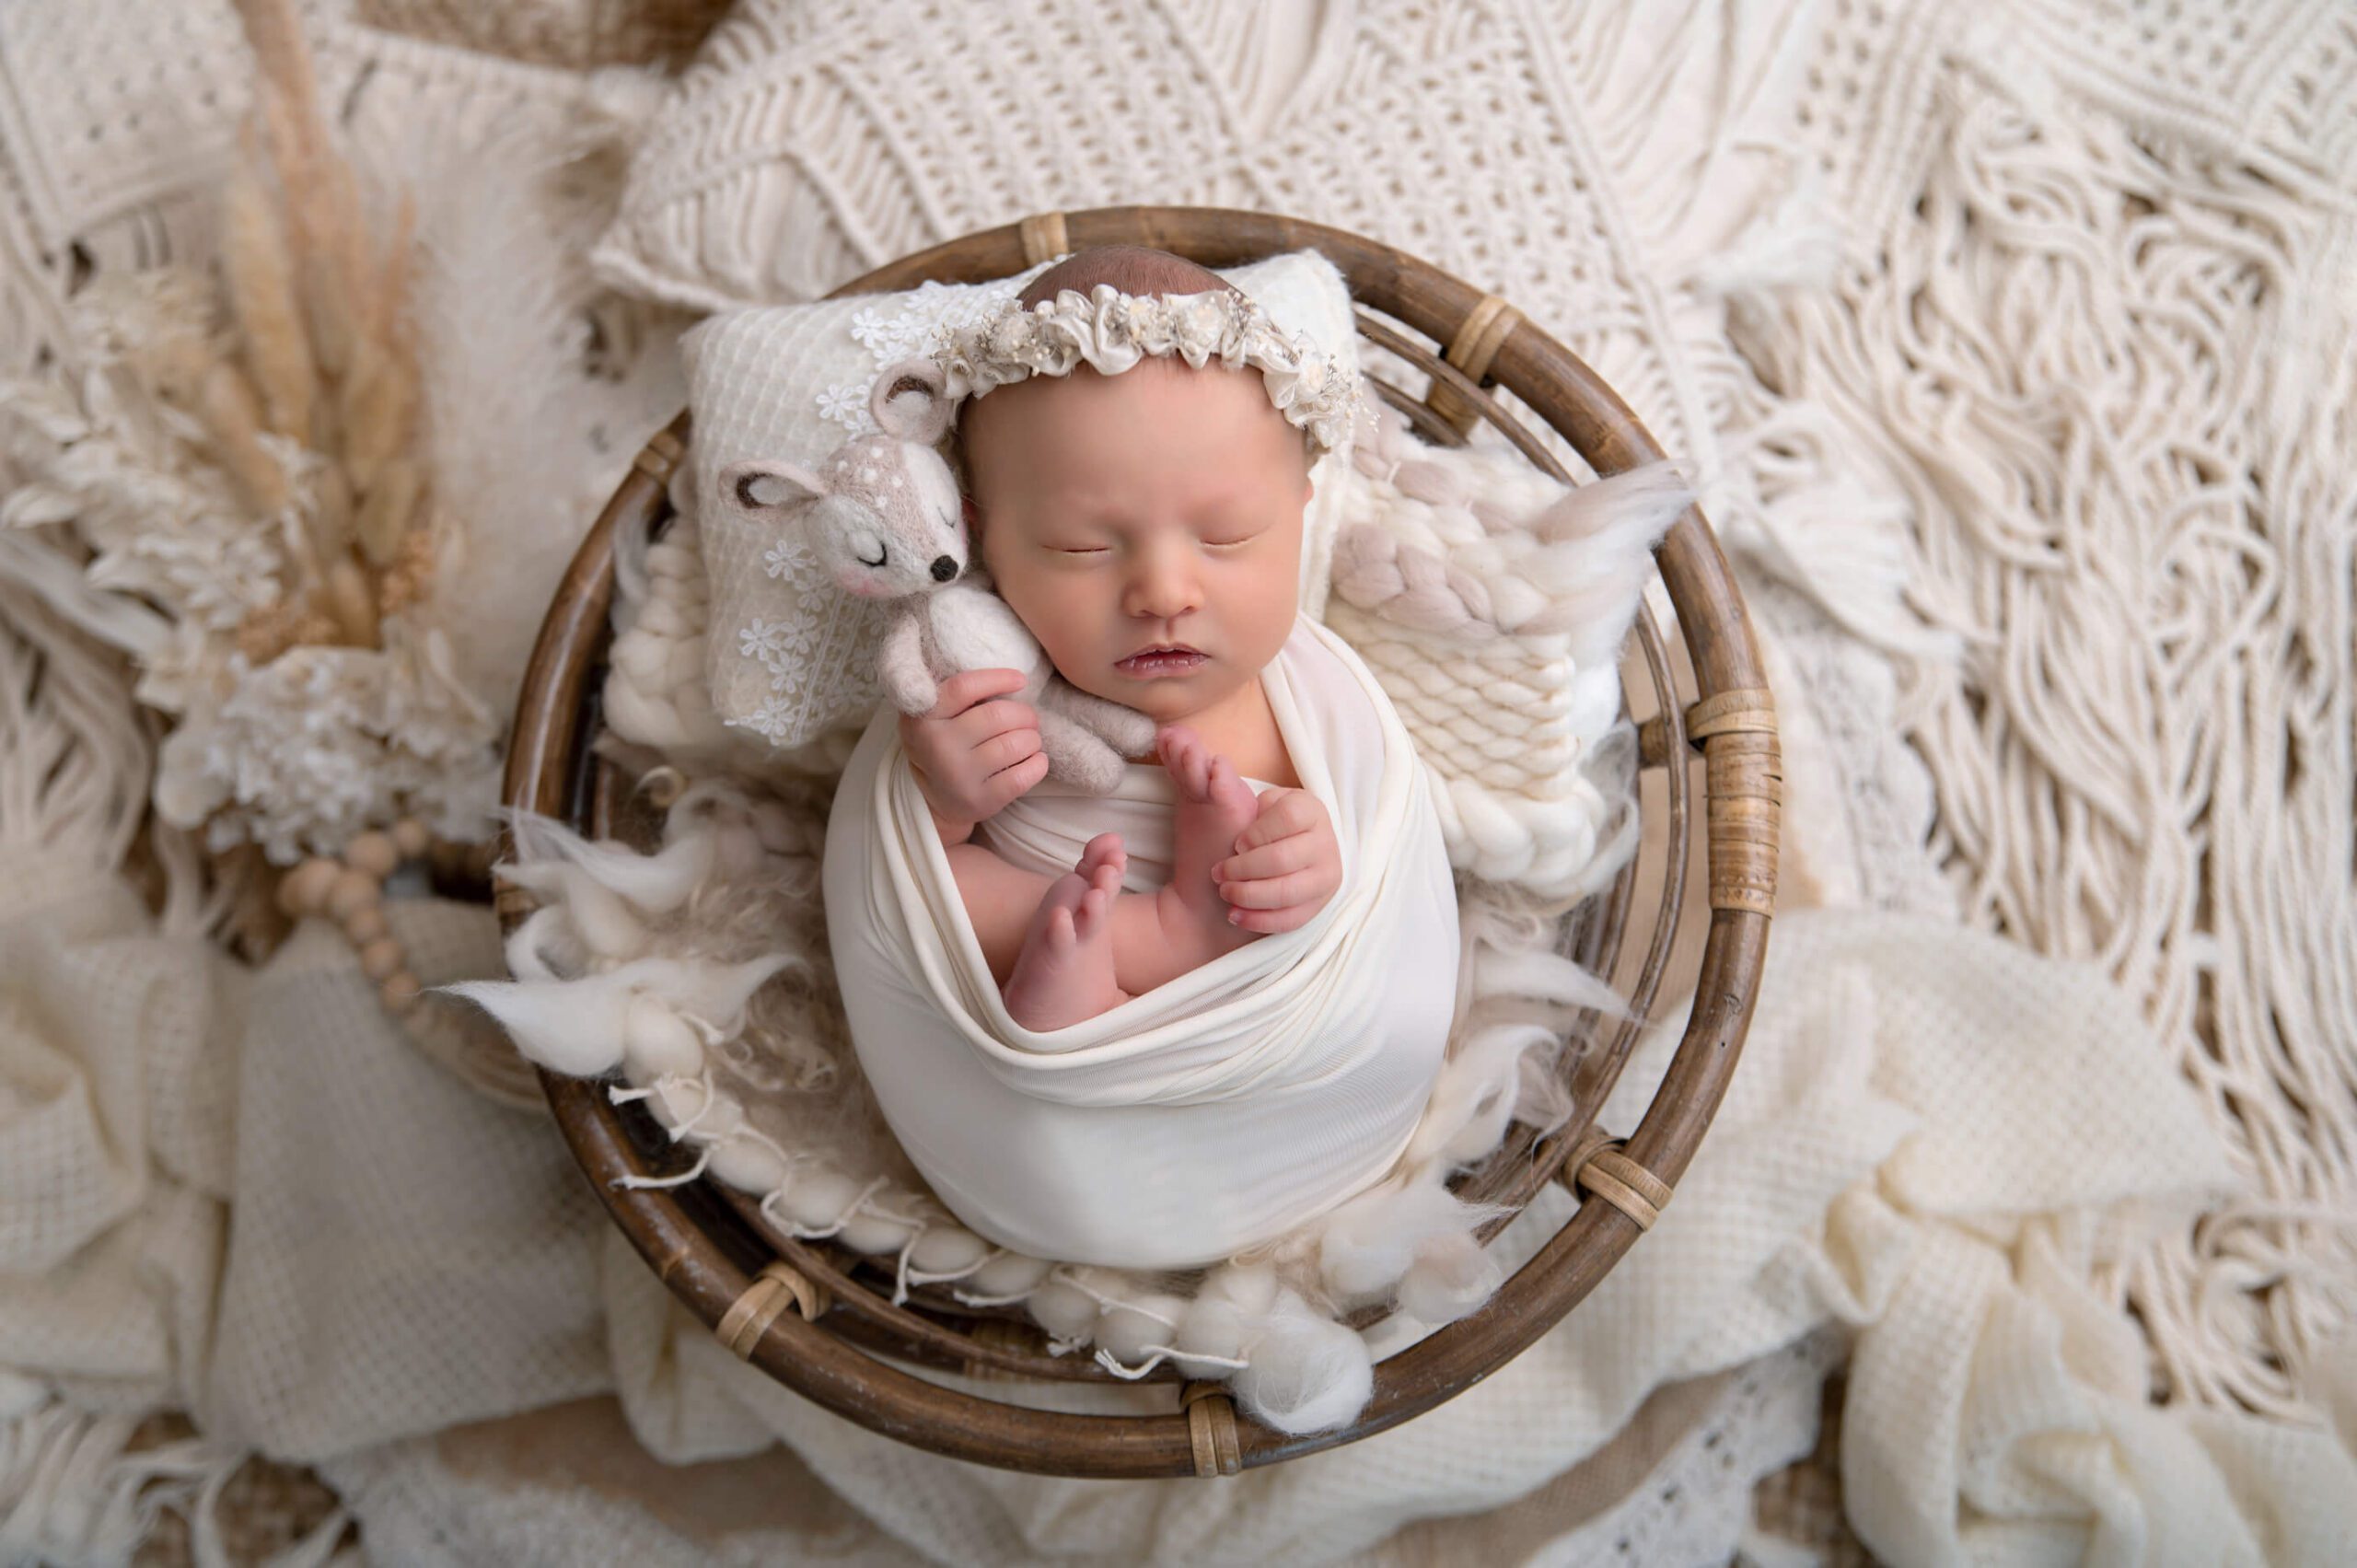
(860, 587)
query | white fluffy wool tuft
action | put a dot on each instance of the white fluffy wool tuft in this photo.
(1307, 1373)
(1370, 1242)
(1452, 1276)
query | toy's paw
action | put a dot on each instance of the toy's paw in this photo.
(1083, 761)
(1127, 731)
(1124, 730)
(913, 692)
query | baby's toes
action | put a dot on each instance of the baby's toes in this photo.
(1089, 919)
(1061, 933)
(1064, 895)
(1105, 850)
(1184, 758)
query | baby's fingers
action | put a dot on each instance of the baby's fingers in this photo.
(968, 687)
(1282, 812)
(1306, 887)
(1268, 923)
(1298, 853)
(1010, 783)
(1004, 750)
(983, 720)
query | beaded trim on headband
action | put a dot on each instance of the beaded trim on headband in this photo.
(1113, 330)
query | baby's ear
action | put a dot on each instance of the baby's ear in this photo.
(766, 487)
(911, 401)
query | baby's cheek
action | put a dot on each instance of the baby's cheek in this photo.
(1057, 624)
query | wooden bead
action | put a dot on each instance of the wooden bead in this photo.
(382, 960)
(353, 891)
(399, 991)
(306, 888)
(372, 852)
(411, 838)
(362, 926)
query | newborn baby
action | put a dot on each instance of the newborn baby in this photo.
(1153, 1028)
(1147, 528)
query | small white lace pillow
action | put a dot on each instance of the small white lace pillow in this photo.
(790, 656)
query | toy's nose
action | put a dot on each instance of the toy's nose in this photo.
(944, 568)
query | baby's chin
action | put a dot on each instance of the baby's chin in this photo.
(1169, 699)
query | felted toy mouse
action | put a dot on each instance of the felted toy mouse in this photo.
(883, 513)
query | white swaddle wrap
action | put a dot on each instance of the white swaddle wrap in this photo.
(1203, 1116)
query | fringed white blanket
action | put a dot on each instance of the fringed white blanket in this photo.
(1202, 1117)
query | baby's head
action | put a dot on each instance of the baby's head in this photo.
(1160, 507)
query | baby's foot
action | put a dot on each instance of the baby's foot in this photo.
(1215, 805)
(1065, 973)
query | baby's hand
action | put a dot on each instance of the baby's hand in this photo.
(1286, 863)
(974, 752)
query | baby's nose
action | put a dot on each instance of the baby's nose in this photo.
(944, 568)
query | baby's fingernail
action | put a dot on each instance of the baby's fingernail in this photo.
(1235, 917)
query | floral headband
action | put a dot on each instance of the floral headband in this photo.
(1113, 330)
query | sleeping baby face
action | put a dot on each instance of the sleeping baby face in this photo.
(1146, 526)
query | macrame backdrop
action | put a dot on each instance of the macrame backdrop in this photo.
(2010, 342)
(2090, 334)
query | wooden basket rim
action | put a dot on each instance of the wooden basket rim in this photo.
(702, 1252)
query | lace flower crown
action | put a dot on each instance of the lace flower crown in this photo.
(1113, 330)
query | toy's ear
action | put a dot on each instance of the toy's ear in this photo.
(911, 401)
(765, 487)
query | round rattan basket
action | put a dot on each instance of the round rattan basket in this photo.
(822, 1321)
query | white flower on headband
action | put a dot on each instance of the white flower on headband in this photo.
(1112, 331)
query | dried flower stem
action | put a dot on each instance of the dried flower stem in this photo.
(386, 515)
(233, 413)
(352, 602)
(262, 300)
(324, 321)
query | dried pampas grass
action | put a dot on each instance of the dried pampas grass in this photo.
(319, 311)
(319, 495)
(260, 274)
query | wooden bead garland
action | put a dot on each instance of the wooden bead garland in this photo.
(350, 891)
